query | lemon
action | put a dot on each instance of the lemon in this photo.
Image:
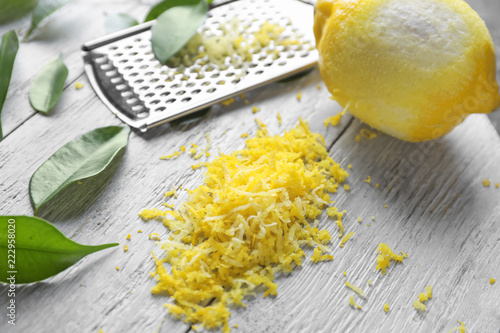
(413, 69)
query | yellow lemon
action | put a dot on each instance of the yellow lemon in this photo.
(414, 69)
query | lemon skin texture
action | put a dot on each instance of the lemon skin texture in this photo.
(413, 69)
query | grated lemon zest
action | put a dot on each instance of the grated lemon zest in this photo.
(367, 134)
(334, 120)
(167, 157)
(353, 304)
(246, 223)
(423, 297)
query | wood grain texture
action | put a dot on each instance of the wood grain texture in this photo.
(437, 209)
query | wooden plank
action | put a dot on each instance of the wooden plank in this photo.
(64, 33)
(93, 295)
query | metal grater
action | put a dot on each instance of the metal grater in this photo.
(143, 93)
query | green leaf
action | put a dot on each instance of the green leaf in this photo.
(11, 10)
(48, 86)
(8, 52)
(116, 22)
(36, 249)
(161, 7)
(44, 9)
(79, 159)
(175, 27)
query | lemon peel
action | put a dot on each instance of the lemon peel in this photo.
(412, 69)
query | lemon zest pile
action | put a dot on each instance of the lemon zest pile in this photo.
(385, 254)
(460, 329)
(246, 223)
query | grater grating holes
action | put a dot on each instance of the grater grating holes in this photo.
(141, 80)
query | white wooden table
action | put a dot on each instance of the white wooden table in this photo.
(437, 211)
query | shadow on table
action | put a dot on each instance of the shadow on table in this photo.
(77, 197)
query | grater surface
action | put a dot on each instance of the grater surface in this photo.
(143, 93)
